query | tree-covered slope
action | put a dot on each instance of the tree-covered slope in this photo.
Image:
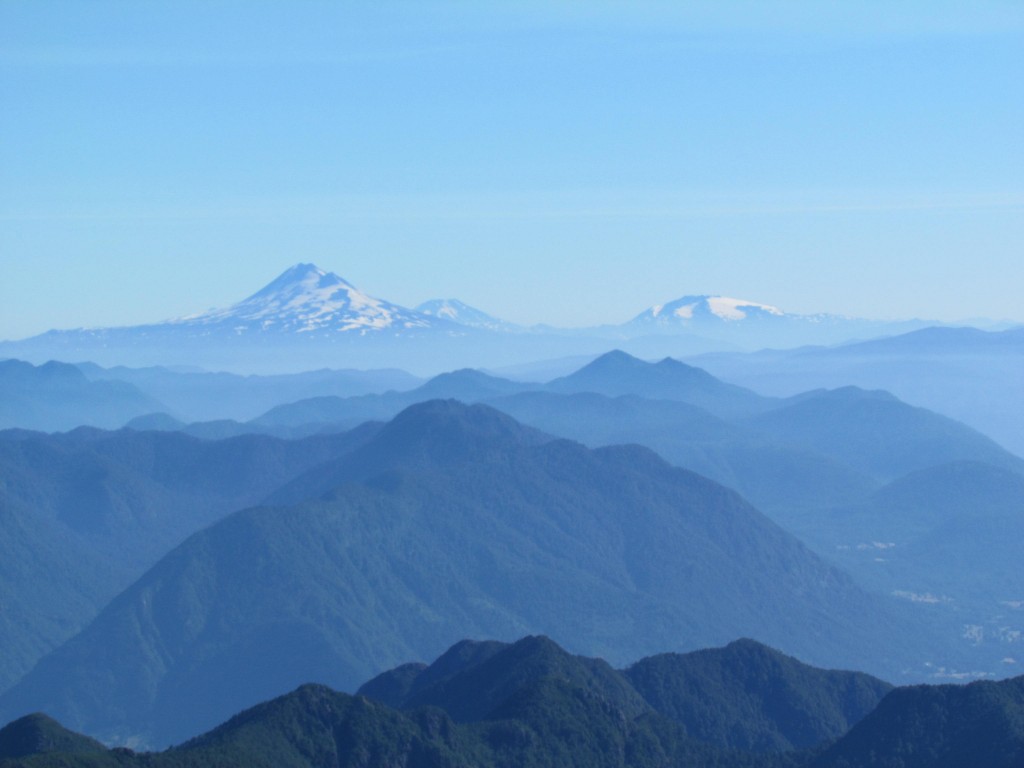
(548, 723)
(471, 681)
(530, 703)
(440, 532)
(38, 734)
(86, 512)
(50, 586)
(751, 697)
(743, 696)
(953, 529)
(945, 726)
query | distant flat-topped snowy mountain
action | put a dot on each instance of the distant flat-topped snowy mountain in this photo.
(752, 324)
(694, 310)
(306, 299)
(463, 314)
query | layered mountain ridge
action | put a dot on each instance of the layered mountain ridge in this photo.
(451, 521)
(307, 314)
(425, 528)
(530, 702)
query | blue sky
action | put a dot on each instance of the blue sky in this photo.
(569, 163)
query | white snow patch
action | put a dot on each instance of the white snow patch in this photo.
(685, 312)
(732, 309)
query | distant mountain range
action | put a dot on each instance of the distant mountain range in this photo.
(307, 317)
(463, 314)
(971, 375)
(843, 469)
(57, 396)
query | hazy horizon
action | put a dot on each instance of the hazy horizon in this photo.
(984, 322)
(545, 163)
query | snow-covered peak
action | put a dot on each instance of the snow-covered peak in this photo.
(449, 309)
(463, 314)
(306, 299)
(301, 278)
(736, 309)
(689, 309)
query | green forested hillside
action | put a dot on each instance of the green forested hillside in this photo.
(945, 726)
(748, 696)
(529, 703)
(86, 512)
(455, 522)
(482, 676)
(953, 529)
(742, 696)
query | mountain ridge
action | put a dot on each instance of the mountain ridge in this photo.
(307, 314)
(494, 541)
(530, 702)
(306, 299)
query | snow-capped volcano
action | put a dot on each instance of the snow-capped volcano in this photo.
(699, 309)
(306, 299)
(748, 324)
(463, 314)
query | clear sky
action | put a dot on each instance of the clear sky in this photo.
(569, 163)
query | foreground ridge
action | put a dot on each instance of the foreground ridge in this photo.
(532, 703)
